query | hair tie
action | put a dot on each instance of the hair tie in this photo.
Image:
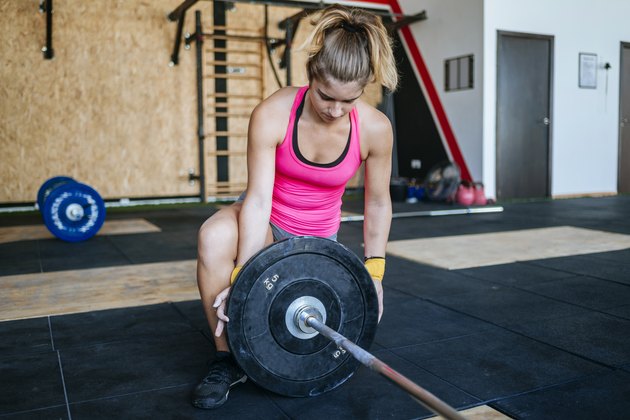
(349, 27)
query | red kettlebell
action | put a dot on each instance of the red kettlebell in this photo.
(465, 194)
(480, 195)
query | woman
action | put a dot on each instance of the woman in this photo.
(304, 144)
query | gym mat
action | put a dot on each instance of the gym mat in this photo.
(597, 397)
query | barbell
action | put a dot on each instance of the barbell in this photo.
(299, 309)
(72, 211)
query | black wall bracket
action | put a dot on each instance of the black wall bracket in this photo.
(46, 6)
(179, 15)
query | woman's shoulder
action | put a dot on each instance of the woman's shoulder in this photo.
(272, 114)
(280, 99)
(373, 121)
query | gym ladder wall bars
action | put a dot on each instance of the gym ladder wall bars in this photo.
(229, 74)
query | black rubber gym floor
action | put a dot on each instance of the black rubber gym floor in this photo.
(541, 339)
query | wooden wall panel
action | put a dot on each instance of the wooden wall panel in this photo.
(107, 110)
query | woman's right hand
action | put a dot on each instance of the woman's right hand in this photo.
(220, 306)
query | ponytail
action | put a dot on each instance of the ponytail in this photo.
(351, 45)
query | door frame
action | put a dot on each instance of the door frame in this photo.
(622, 46)
(551, 40)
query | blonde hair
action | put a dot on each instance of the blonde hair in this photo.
(351, 45)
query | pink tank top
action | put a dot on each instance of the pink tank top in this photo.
(307, 195)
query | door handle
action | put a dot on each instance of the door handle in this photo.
(545, 121)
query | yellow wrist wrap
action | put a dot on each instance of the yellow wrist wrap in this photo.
(235, 273)
(376, 267)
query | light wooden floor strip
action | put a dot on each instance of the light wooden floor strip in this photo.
(64, 292)
(482, 412)
(467, 251)
(113, 227)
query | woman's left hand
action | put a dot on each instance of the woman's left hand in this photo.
(220, 306)
(379, 292)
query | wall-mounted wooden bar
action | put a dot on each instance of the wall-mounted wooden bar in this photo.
(233, 76)
(238, 38)
(231, 51)
(226, 153)
(226, 134)
(229, 114)
(232, 106)
(233, 64)
(233, 95)
(227, 188)
(231, 28)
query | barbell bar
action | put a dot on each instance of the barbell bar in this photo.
(310, 317)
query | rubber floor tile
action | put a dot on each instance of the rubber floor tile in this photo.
(19, 218)
(496, 364)
(111, 325)
(367, 395)
(19, 258)
(392, 298)
(620, 311)
(435, 227)
(156, 247)
(506, 306)
(607, 270)
(10, 251)
(419, 321)
(57, 255)
(30, 381)
(584, 291)
(20, 267)
(59, 412)
(427, 282)
(192, 311)
(131, 366)
(516, 274)
(180, 220)
(25, 336)
(622, 256)
(245, 402)
(593, 335)
(596, 397)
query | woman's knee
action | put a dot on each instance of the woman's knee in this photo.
(218, 236)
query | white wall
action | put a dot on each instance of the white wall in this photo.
(454, 28)
(585, 122)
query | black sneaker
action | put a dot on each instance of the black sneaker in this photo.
(213, 390)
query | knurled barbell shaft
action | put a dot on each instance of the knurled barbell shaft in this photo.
(420, 394)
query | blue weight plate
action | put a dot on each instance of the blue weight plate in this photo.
(261, 331)
(74, 212)
(48, 186)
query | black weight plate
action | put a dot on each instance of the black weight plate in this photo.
(266, 286)
(74, 212)
(48, 186)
